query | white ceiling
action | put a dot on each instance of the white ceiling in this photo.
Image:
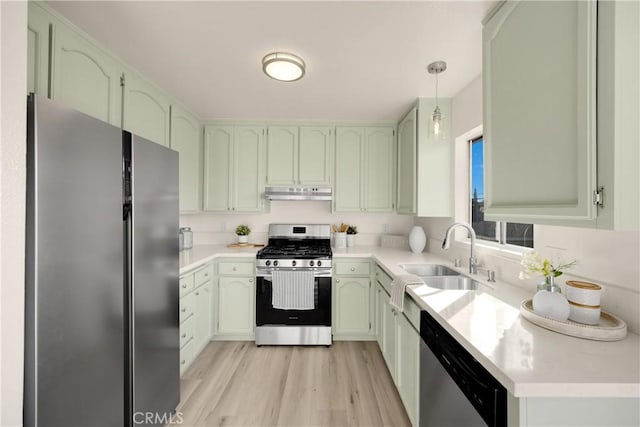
(365, 60)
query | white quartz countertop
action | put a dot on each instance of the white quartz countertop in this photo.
(201, 254)
(528, 360)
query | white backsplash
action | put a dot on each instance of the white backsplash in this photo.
(219, 228)
(609, 258)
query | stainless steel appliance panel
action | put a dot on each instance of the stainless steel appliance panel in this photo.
(155, 277)
(74, 341)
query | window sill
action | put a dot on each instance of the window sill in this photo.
(496, 249)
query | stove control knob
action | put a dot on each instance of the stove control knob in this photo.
(275, 263)
(268, 263)
(293, 263)
(319, 263)
(311, 263)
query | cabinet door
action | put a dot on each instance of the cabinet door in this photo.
(408, 366)
(539, 112)
(379, 169)
(349, 169)
(218, 142)
(146, 110)
(315, 155)
(247, 169)
(352, 315)
(282, 155)
(85, 78)
(235, 306)
(38, 51)
(381, 296)
(185, 139)
(389, 337)
(202, 316)
(407, 138)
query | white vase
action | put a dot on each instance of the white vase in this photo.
(417, 239)
(243, 239)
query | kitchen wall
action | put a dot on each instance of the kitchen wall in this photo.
(219, 229)
(610, 258)
(13, 22)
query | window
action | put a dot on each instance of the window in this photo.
(498, 232)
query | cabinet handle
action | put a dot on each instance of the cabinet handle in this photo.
(197, 293)
(184, 335)
(206, 274)
(337, 280)
(182, 362)
(184, 310)
(353, 269)
(184, 286)
(250, 280)
(234, 269)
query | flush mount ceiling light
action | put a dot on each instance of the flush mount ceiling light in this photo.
(283, 66)
(436, 120)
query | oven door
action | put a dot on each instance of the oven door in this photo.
(267, 315)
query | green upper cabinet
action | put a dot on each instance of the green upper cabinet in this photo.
(407, 137)
(348, 195)
(38, 50)
(282, 155)
(434, 184)
(218, 145)
(539, 83)
(248, 169)
(315, 154)
(299, 155)
(364, 163)
(379, 169)
(147, 111)
(185, 139)
(233, 168)
(84, 77)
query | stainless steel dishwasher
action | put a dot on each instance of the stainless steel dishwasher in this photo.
(455, 389)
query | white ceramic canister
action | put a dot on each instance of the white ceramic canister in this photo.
(417, 239)
(187, 237)
(351, 240)
(340, 239)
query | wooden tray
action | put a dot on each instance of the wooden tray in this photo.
(610, 328)
(245, 245)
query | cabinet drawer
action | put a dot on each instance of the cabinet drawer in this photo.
(186, 307)
(186, 331)
(357, 268)
(186, 356)
(186, 284)
(236, 269)
(204, 275)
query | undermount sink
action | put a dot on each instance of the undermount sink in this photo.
(429, 270)
(451, 283)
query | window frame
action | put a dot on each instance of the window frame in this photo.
(501, 226)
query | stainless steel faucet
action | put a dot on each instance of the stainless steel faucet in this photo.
(473, 261)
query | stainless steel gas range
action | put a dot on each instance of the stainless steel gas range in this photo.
(293, 286)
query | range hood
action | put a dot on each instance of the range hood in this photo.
(297, 193)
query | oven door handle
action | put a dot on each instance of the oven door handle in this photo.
(267, 273)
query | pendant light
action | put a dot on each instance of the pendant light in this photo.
(283, 66)
(437, 128)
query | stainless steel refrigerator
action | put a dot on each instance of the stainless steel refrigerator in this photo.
(101, 340)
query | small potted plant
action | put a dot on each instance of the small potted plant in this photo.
(242, 231)
(352, 230)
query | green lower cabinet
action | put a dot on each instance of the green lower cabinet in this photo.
(399, 343)
(202, 313)
(351, 314)
(408, 366)
(236, 296)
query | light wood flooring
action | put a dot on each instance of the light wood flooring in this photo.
(239, 384)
